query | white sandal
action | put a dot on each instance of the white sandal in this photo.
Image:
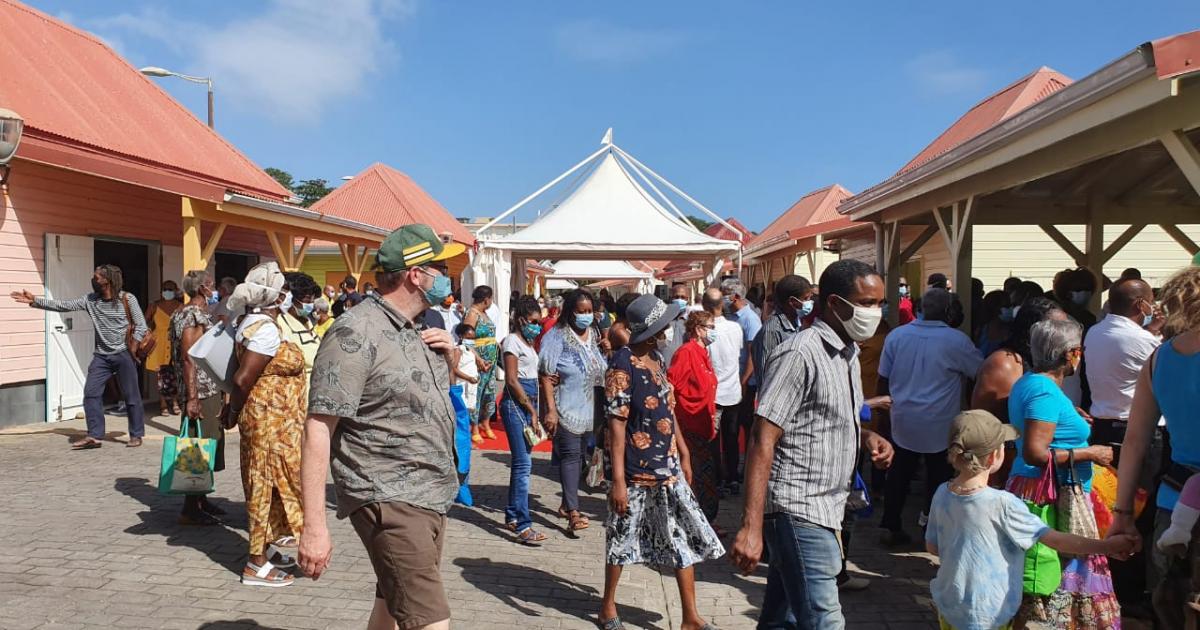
(254, 575)
(279, 557)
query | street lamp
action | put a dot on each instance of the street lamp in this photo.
(154, 71)
(11, 126)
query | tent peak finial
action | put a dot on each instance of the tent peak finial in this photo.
(607, 139)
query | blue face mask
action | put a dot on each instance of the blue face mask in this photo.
(531, 330)
(583, 320)
(806, 308)
(213, 299)
(439, 291)
(168, 295)
(306, 309)
(1007, 314)
(904, 291)
(681, 303)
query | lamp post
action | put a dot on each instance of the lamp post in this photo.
(11, 126)
(154, 71)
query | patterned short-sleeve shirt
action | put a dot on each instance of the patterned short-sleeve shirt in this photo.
(395, 434)
(189, 316)
(642, 397)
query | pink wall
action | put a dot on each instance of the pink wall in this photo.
(43, 199)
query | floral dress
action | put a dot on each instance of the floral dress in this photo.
(663, 526)
(489, 351)
(272, 428)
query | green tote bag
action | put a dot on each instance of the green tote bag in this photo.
(187, 462)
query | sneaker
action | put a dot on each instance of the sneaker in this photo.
(896, 538)
(853, 584)
(923, 520)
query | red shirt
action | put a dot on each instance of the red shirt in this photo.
(695, 383)
(905, 312)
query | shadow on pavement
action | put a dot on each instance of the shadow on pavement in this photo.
(224, 546)
(517, 585)
(240, 624)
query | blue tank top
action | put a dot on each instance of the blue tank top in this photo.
(1176, 385)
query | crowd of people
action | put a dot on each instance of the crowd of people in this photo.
(1051, 442)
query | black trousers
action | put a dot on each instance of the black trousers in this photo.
(900, 476)
(735, 419)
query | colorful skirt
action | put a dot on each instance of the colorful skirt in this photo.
(168, 383)
(1084, 598)
(663, 527)
(486, 390)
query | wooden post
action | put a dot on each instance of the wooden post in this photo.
(1093, 251)
(956, 230)
(195, 253)
(962, 273)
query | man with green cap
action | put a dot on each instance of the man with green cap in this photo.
(379, 404)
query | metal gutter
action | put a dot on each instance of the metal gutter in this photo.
(303, 213)
(1134, 66)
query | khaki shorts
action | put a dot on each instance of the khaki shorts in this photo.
(404, 543)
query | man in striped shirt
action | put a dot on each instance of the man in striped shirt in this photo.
(110, 310)
(806, 442)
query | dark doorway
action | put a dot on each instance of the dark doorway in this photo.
(234, 266)
(133, 259)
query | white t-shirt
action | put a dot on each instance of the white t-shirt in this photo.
(1116, 349)
(726, 354)
(527, 358)
(265, 340)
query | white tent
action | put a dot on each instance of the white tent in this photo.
(553, 284)
(612, 210)
(602, 270)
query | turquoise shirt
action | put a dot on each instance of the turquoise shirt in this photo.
(1176, 385)
(1037, 397)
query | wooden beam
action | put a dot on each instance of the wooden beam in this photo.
(280, 255)
(1094, 256)
(917, 243)
(962, 271)
(363, 260)
(192, 212)
(259, 219)
(1063, 242)
(210, 248)
(1090, 174)
(303, 251)
(1181, 238)
(1156, 177)
(1185, 154)
(1121, 242)
(947, 233)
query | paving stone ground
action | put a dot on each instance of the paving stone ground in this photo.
(87, 542)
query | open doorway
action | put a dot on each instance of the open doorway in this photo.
(233, 265)
(134, 261)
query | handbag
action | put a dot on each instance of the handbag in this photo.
(1075, 513)
(187, 463)
(1043, 568)
(214, 353)
(595, 471)
(139, 349)
(534, 434)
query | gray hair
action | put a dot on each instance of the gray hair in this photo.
(229, 284)
(193, 280)
(935, 304)
(1050, 340)
(321, 304)
(733, 286)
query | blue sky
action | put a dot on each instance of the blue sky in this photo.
(744, 105)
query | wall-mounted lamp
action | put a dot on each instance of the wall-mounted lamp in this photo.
(11, 126)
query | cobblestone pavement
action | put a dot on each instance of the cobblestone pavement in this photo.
(89, 543)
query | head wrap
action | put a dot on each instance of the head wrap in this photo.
(262, 287)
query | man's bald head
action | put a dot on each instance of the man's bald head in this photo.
(1127, 296)
(713, 301)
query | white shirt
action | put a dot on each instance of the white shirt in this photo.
(725, 353)
(266, 339)
(925, 363)
(1116, 349)
(451, 318)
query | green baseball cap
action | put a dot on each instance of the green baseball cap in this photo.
(412, 246)
(978, 432)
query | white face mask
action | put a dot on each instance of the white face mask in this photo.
(862, 325)
(287, 302)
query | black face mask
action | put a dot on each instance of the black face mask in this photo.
(96, 288)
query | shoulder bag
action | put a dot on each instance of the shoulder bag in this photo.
(139, 349)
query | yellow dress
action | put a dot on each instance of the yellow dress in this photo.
(161, 355)
(272, 427)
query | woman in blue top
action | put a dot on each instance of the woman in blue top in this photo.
(1169, 386)
(1050, 424)
(571, 352)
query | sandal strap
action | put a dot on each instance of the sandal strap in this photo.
(263, 571)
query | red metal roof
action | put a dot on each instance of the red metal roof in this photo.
(73, 90)
(718, 230)
(384, 197)
(818, 206)
(1003, 104)
(1176, 55)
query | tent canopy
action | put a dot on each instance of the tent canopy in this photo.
(597, 270)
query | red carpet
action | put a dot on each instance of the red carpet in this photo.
(500, 443)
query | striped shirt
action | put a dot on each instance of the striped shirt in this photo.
(108, 317)
(813, 392)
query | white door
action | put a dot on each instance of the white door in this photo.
(70, 337)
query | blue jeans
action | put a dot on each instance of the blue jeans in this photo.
(802, 592)
(101, 369)
(515, 419)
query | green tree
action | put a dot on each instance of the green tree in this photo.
(311, 191)
(284, 178)
(700, 224)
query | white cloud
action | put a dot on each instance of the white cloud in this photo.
(942, 73)
(605, 42)
(289, 62)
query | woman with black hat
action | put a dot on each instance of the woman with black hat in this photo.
(653, 518)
